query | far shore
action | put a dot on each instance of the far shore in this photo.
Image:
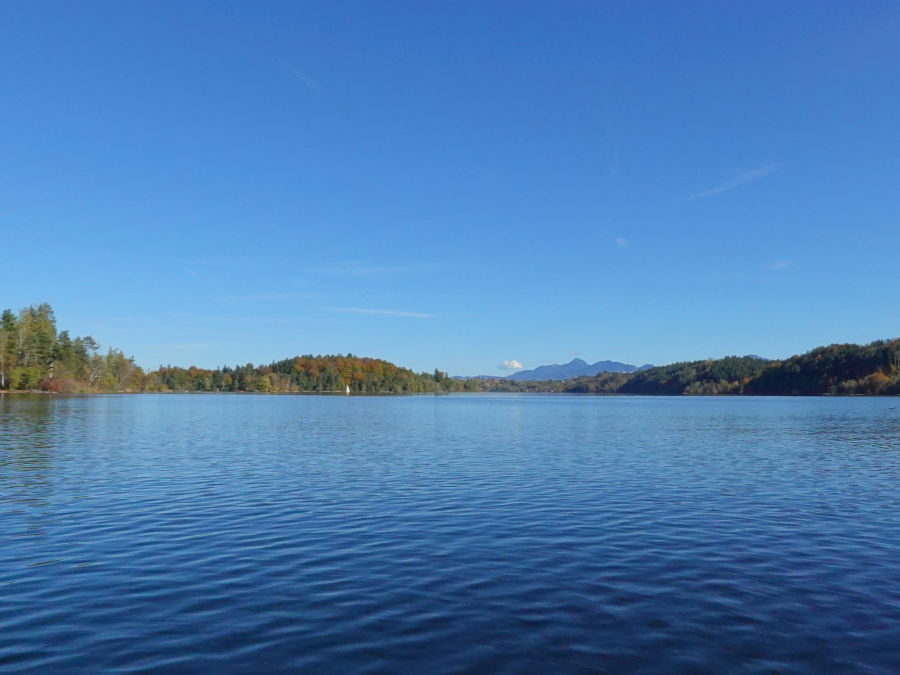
(30, 392)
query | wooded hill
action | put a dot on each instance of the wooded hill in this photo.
(35, 356)
(834, 370)
(304, 374)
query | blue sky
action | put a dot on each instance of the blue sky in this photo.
(453, 185)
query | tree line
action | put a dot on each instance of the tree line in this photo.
(319, 374)
(835, 370)
(35, 356)
(839, 369)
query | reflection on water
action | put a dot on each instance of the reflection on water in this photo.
(26, 449)
(464, 533)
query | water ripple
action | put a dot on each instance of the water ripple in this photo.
(449, 534)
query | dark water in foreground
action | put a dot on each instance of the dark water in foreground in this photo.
(445, 534)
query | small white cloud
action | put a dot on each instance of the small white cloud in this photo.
(779, 264)
(511, 364)
(621, 242)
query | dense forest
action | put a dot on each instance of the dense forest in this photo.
(833, 370)
(308, 373)
(34, 355)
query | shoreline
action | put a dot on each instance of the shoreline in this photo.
(40, 392)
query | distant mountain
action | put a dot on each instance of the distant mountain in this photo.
(555, 371)
(463, 378)
(575, 368)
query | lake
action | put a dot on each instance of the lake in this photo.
(440, 534)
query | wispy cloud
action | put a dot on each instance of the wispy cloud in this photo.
(225, 262)
(382, 312)
(192, 318)
(360, 269)
(621, 242)
(779, 265)
(304, 79)
(511, 364)
(191, 346)
(736, 182)
(613, 165)
(262, 297)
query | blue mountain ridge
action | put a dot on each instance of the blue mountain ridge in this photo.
(574, 368)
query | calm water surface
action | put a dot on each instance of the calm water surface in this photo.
(481, 533)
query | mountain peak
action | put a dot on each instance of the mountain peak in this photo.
(574, 368)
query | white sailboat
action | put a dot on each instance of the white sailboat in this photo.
(347, 389)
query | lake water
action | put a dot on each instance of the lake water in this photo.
(471, 533)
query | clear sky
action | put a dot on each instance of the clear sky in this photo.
(453, 184)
